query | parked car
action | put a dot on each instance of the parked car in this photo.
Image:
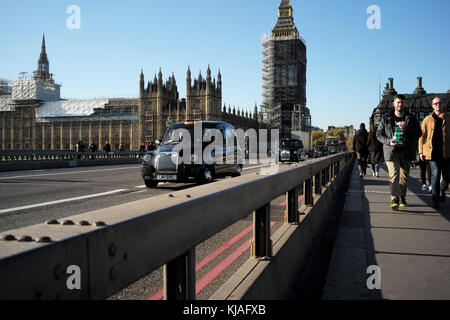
(166, 164)
(291, 150)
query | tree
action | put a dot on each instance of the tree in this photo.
(318, 137)
(337, 133)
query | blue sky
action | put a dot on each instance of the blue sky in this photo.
(345, 59)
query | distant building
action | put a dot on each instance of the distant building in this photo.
(284, 77)
(33, 115)
(418, 102)
(160, 106)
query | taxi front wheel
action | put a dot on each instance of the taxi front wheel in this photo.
(151, 183)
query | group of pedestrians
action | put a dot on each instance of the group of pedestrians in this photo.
(397, 140)
(151, 146)
(147, 147)
(368, 150)
(80, 147)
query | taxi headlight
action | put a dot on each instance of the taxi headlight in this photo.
(147, 158)
(175, 158)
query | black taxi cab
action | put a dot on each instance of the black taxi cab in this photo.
(193, 151)
(291, 150)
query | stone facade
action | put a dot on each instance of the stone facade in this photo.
(160, 106)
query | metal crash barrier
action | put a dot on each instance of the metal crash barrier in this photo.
(111, 248)
(11, 160)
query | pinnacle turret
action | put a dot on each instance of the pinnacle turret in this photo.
(43, 66)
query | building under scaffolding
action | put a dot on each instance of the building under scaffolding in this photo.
(33, 115)
(284, 76)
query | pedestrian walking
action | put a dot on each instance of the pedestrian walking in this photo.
(425, 174)
(107, 147)
(93, 149)
(399, 132)
(434, 146)
(375, 151)
(361, 149)
(79, 148)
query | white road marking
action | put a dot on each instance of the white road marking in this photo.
(61, 201)
(388, 192)
(63, 173)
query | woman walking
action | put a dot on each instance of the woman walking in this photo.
(375, 151)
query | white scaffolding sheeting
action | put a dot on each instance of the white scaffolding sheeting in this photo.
(32, 89)
(70, 108)
(5, 103)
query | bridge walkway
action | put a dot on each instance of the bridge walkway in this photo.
(410, 246)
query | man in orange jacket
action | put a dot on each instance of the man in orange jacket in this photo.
(434, 145)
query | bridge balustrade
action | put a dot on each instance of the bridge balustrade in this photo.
(43, 159)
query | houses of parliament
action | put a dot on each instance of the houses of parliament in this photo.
(34, 117)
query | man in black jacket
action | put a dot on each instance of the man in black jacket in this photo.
(399, 133)
(107, 147)
(361, 149)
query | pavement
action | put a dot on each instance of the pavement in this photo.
(390, 255)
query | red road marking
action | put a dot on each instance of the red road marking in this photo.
(158, 295)
(225, 246)
(216, 271)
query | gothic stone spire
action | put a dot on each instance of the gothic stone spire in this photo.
(43, 66)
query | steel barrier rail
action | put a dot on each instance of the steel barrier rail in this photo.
(16, 160)
(20, 156)
(114, 247)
